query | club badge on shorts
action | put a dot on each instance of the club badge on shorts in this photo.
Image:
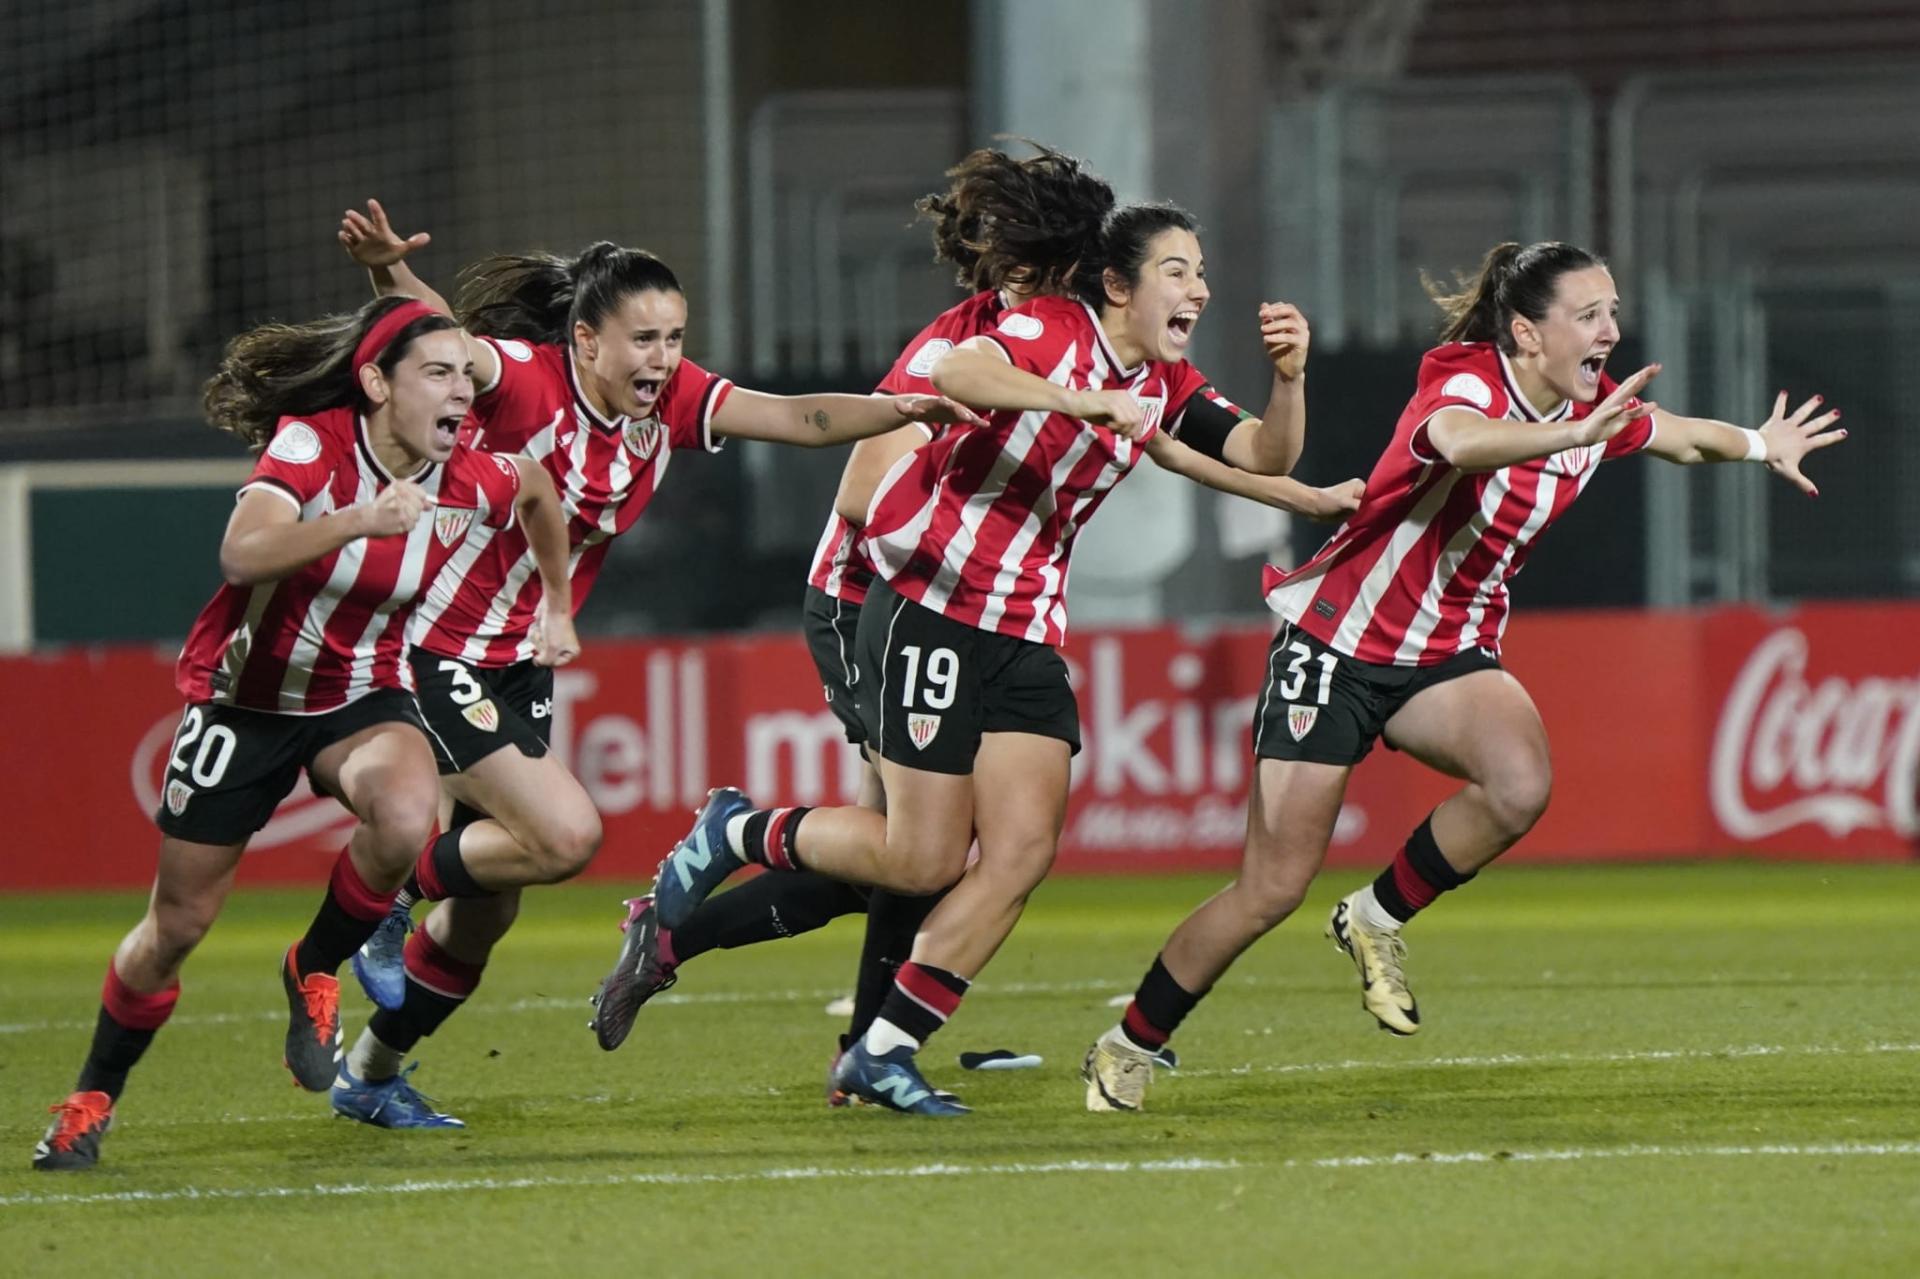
(921, 728)
(483, 715)
(1300, 720)
(178, 793)
(450, 524)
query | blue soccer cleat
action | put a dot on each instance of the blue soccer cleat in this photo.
(387, 1103)
(891, 1080)
(702, 861)
(381, 963)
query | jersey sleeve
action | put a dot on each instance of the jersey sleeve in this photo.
(1449, 384)
(687, 405)
(1199, 416)
(1036, 337)
(298, 464)
(516, 403)
(1634, 436)
(497, 480)
(912, 372)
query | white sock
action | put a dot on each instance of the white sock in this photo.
(883, 1037)
(371, 1061)
(1372, 915)
(737, 834)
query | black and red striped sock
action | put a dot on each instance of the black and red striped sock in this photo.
(437, 984)
(127, 1023)
(769, 836)
(441, 873)
(1417, 875)
(1158, 1008)
(922, 999)
(346, 918)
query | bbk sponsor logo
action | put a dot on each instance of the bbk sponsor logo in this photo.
(1837, 753)
(542, 709)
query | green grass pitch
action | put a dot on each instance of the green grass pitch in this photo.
(1629, 1070)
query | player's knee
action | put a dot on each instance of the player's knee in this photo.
(568, 845)
(176, 926)
(1268, 899)
(922, 876)
(1518, 795)
(402, 819)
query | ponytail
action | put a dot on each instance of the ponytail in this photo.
(1513, 280)
(537, 297)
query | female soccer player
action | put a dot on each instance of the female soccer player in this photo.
(360, 496)
(580, 368)
(1393, 629)
(963, 693)
(1012, 230)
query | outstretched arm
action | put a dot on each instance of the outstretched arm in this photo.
(370, 240)
(977, 372)
(814, 421)
(1782, 441)
(1476, 443)
(1271, 490)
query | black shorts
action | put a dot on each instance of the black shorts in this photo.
(831, 627)
(473, 711)
(930, 686)
(229, 768)
(1327, 708)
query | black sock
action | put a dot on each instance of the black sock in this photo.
(454, 879)
(765, 908)
(115, 1050)
(893, 921)
(1158, 1008)
(419, 1015)
(1417, 874)
(922, 999)
(769, 836)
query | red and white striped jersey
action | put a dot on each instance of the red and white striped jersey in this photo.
(1420, 571)
(481, 608)
(841, 567)
(335, 630)
(978, 525)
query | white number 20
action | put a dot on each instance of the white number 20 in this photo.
(943, 669)
(216, 749)
(1297, 674)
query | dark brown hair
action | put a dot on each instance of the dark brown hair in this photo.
(537, 297)
(1024, 222)
(1513, 280)
(1123, 247)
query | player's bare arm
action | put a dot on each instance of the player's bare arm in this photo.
(1782, 441)
(538, 508)
(816, 421)
(1277, 491)
(1271, 443)
(867, 465)
(370, 240)
(266, 539)
(1474, 442)
(977, 372)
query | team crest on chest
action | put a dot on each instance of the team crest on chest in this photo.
(921, 730)
(450, 524)
(1300, 720)
(643, 437)
(1152, 409)
(483, 715)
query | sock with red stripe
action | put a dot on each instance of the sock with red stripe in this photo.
(922, 999)
(1158, 1008)
(437, 984)
(767, 836)
(893, 921)
(442, 873)
(346, 918)
(127, 1023)
(1417, 875)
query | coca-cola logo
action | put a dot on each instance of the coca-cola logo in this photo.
(1839, 754)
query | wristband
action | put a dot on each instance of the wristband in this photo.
(1756, 445)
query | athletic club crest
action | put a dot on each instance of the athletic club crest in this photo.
(450, 524)
(1300, 720)
(643, 437)
(178, 793)
(921, 728)
(483, 715)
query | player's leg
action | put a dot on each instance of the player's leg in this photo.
(1476, 723)
(1291, 812)
(141, 988)
(444, 961)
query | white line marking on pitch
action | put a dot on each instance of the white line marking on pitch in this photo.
(1398, 1159)
(461, 1185)
(1559, 1059)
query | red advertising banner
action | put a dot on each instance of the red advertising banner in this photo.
(1674, 735)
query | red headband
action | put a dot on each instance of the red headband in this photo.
(386, 328)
